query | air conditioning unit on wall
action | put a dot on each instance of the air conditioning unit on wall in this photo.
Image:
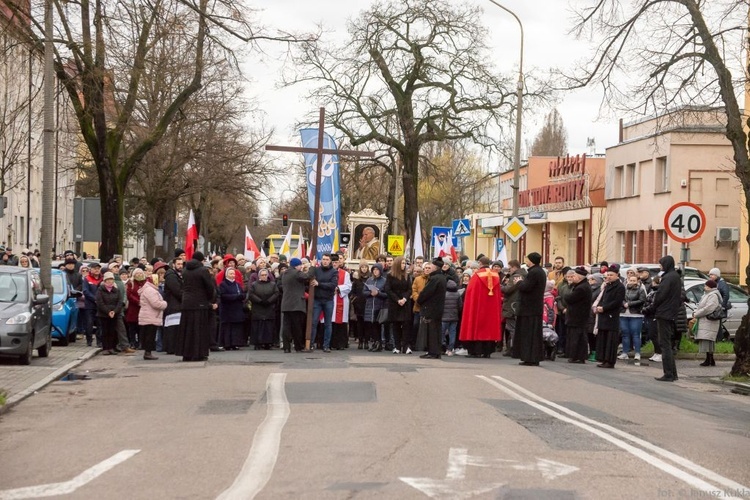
(727, 234)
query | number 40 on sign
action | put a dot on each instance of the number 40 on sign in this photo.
(685, 222)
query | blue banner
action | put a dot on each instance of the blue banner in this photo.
(329, 222)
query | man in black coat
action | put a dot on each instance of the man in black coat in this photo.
(577, 314)
(431, 302)
(528, 342)
(608, 318)
(667, 304)
(173, 295)
(197, 319)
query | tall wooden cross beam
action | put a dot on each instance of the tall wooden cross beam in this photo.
(320, 151)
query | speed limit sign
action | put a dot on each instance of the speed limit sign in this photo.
(685, 222)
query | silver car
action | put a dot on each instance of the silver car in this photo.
(694, 289)
(25, 315)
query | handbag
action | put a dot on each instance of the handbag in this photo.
(383, 315)
(719, 313)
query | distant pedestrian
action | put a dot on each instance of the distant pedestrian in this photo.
(173, 296)
(667, 304)
(108, 307)
(264, 296)
(294, 305)
(576, 314)
(431, 302)
(150, 315)
(708, 327)
(231, 314)
(197, 320)
(398, 289)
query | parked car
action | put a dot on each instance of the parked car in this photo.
(694, 289)
(64, 308)
(654, 269)
(25, 314)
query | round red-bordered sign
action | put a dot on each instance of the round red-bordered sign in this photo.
(685, 222)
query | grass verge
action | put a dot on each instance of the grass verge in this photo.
(688, 346)
(741, 378)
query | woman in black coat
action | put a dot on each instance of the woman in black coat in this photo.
(607, 327)
(398, 289)
(357, 300)
(264, 296)
(231, 313)
(197, 320)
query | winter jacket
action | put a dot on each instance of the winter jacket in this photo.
(452, 307)
(356, 297)
(133, 291)
(264, 296)
(635, 297)
(373, 304)
(579, 302)
(198, 290)
(563, 289)
(680, 321)
(397, 289)
(173, 291)
(723, 288)
(328, 280)
(432, 298)
(152, 305)
(90, 289)
(108, 300)
(511, 294)
(707, 328)
(668, 301)
(74, 279)
(416, 287)
(611, 303)
(231, 302)
(531, 292)
(293, 290)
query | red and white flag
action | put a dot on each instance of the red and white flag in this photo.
(446, 248)
(251, 249)
(191, 238)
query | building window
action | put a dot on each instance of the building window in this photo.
(618, 182)
(664, 243)
(621, 245)
(634, 246)
(630, 180)
(661, 175)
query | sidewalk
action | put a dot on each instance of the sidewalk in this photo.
(21, 381)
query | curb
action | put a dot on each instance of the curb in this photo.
(17, 398)
(740, 387)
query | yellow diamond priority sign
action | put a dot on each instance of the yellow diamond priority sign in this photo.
(396, 244)
(515, 229)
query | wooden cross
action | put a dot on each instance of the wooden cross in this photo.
(320, 151)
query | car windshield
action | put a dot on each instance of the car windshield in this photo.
(57, 284)
(13, 287)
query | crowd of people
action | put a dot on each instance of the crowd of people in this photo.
(435, 307)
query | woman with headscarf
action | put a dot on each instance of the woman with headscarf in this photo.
(109, 305)
(607, 326)
(231, 315)
(264, 295)
(152, 306)
(528, 342)
(198, 306)
(708, 329)
(24, 261)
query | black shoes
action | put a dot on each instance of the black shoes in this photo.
(664, 378)
(430, 356)
(216, 349)
(528, 363)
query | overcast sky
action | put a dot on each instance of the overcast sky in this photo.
(547, 44)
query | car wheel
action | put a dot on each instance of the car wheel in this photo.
(64, 338)
(25, 358)
(45, 349)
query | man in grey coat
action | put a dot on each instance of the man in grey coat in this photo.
(294, 305)
(510, 302)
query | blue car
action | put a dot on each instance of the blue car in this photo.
(64, 309)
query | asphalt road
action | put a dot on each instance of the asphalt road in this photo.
(358, 425)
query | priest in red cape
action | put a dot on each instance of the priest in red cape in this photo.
(481, 322)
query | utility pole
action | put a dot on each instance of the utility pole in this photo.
(48, 186)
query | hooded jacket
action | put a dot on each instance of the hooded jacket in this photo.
(667, 300)
(198, 289)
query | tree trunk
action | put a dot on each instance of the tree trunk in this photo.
(410, 175)
(112, 210)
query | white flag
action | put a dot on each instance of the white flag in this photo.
(286, 245)
(418, 248)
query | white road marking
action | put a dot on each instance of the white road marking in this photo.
(454, 486)
(264, 451)
(68, 487)
(692, 466)
(687, 477)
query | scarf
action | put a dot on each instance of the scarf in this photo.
(109, 287)
(595, 305)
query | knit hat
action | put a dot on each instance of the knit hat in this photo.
(295, 262)
(715, 271)
(597, 277)
(109, 276)
(199, 256)
(178, 252)
(535, 258)
(711, 283)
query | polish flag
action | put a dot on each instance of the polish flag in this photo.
(191, 238)
(301, 250)
(251, 249)
(447, 248)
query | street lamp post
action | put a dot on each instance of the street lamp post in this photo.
(519, 113)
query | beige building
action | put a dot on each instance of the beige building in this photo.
(681, 156)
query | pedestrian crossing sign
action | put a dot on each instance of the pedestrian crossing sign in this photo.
(461, 228)
(395, 244)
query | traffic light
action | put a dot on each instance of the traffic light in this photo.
(285, 220)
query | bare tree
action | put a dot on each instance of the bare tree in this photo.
(411, 73)
(103, 50)
(654, 55)
(552, 140)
